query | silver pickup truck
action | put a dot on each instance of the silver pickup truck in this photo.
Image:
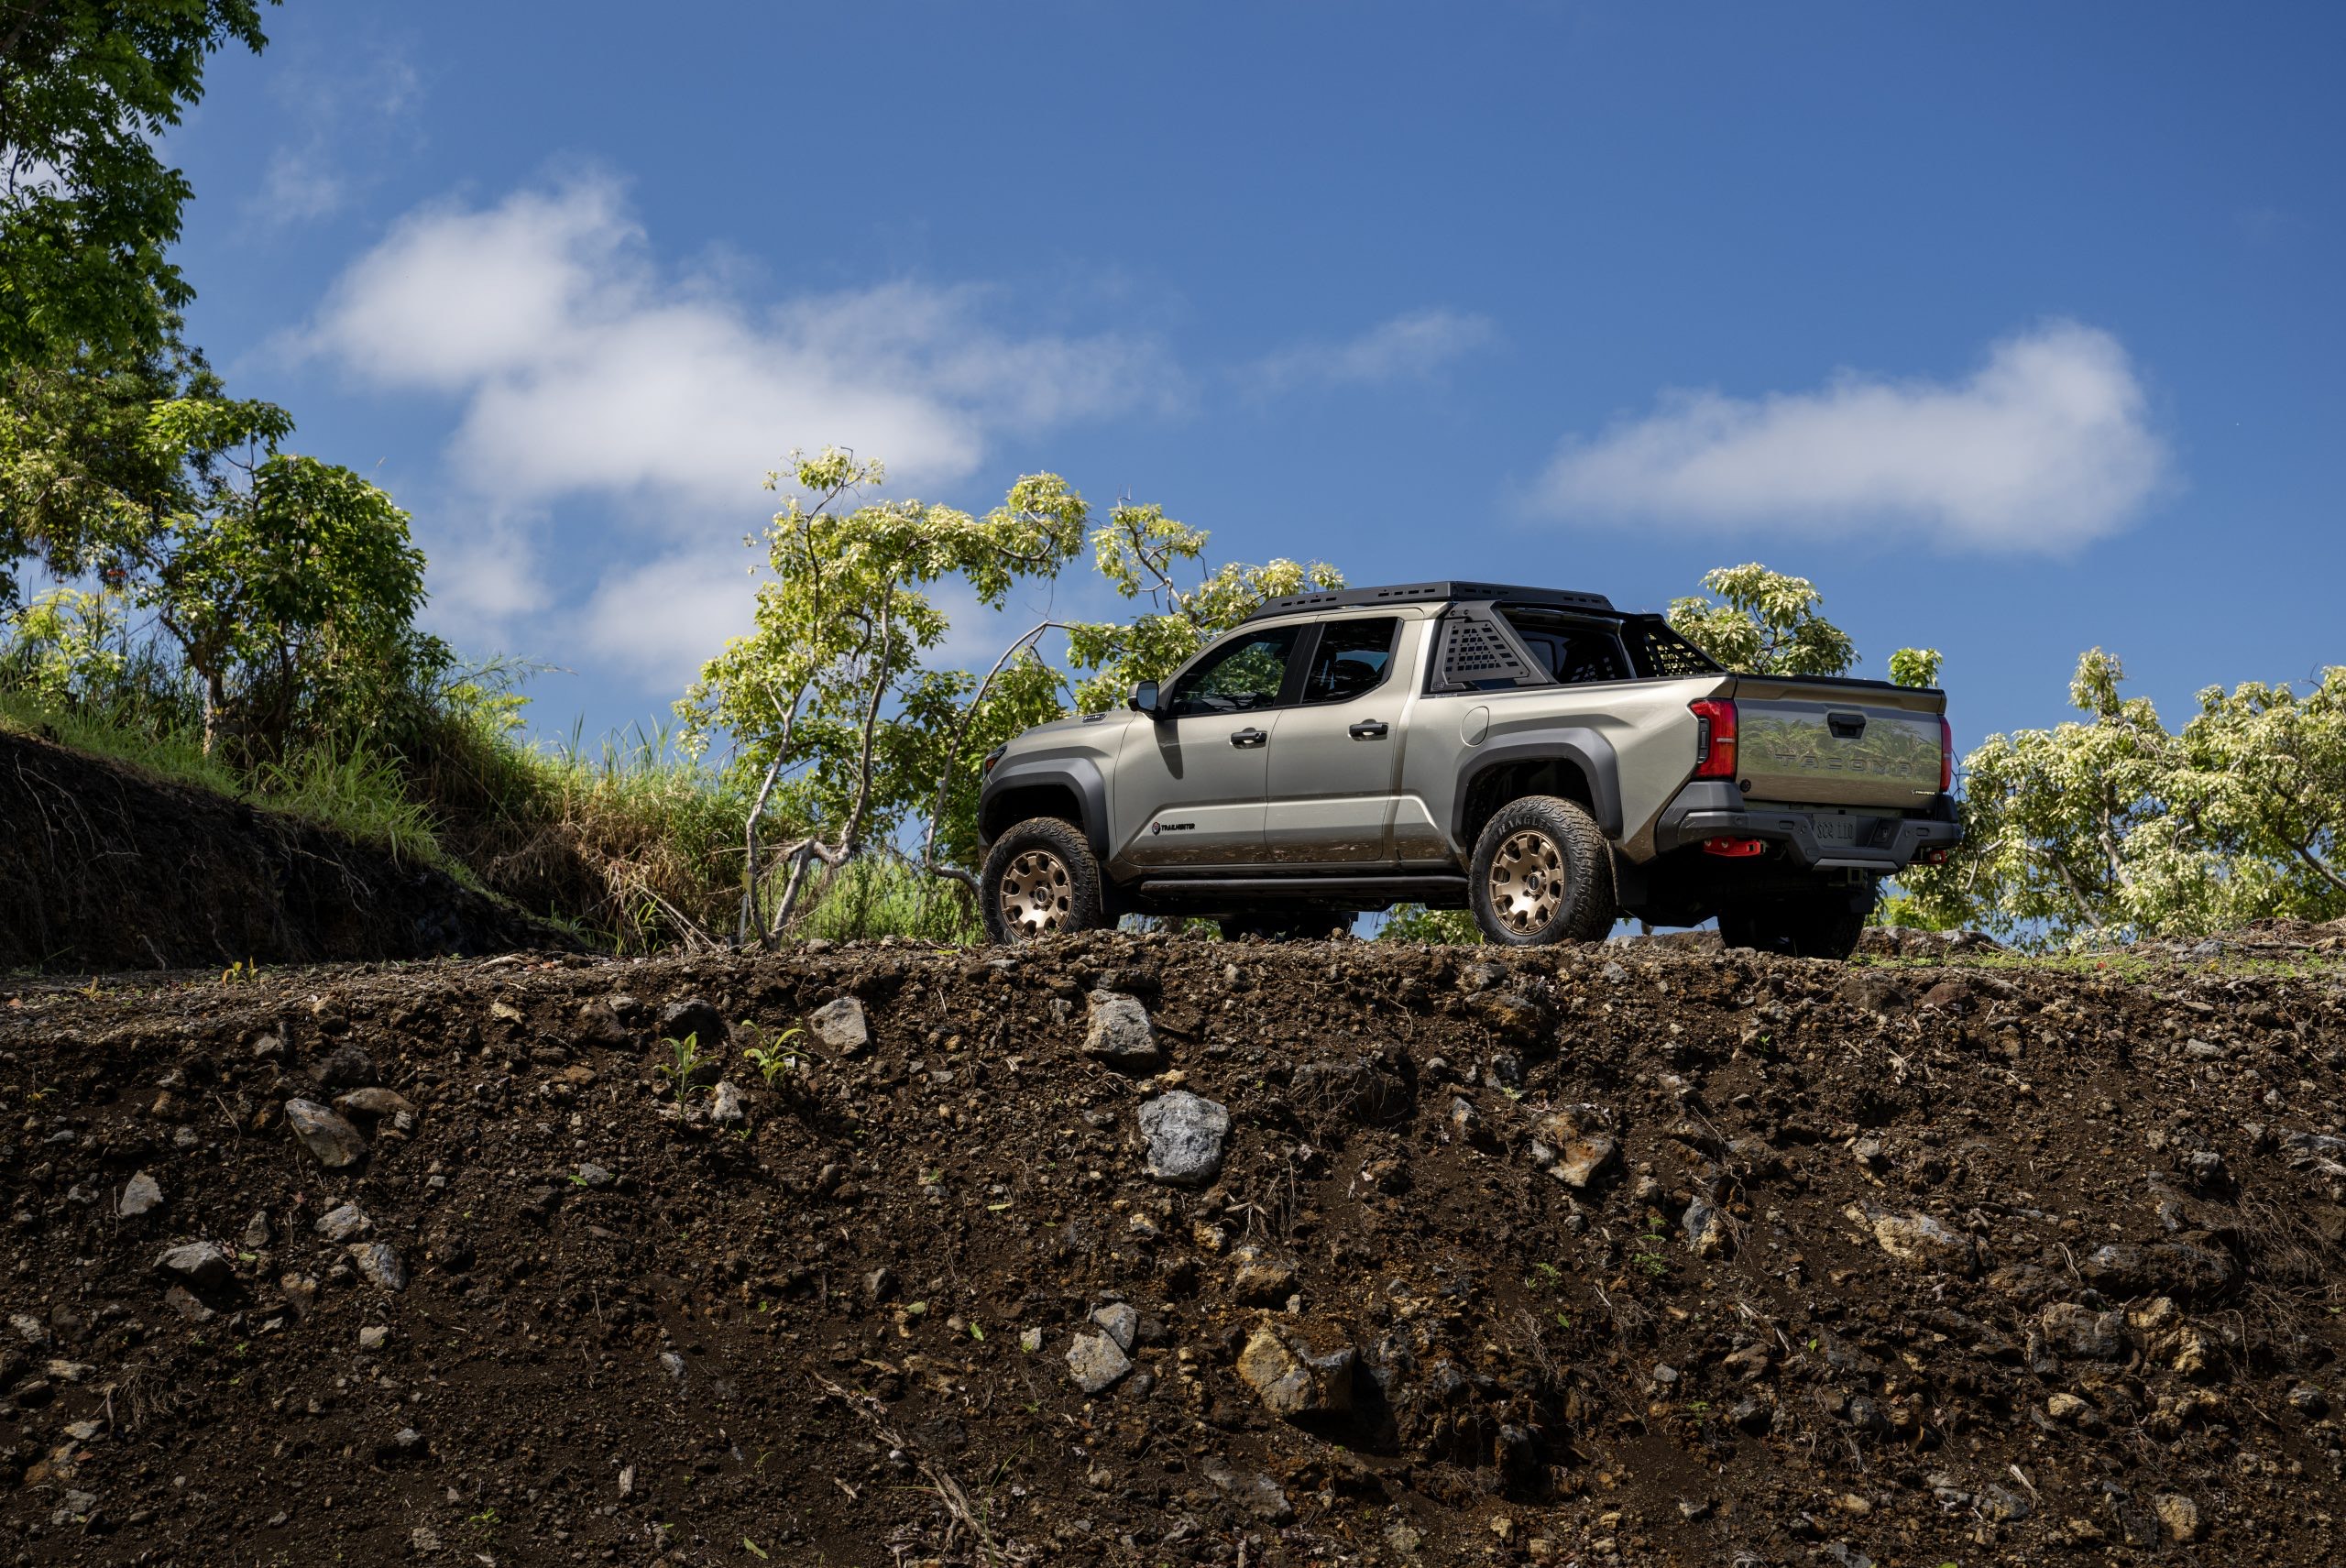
(1536, 756)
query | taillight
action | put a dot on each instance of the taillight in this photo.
(992, 757)
(1947, 755)
(1715, 739)
(1735, 849)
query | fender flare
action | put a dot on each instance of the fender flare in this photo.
(1079, 775)
(1587, 750)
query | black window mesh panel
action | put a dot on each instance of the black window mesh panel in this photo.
(1473, 652)
(1657, 650)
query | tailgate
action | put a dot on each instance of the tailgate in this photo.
(1808, 741)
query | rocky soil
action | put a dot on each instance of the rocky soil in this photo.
(1152, 1251)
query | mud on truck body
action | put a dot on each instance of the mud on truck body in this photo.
(1531, 754)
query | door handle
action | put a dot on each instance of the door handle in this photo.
(1371, 729)
(1247, 738)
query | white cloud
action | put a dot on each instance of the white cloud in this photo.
(2045, 446)
(344, 117)
(1409, 347)
(580, 369)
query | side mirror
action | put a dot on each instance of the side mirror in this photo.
(1144, 699)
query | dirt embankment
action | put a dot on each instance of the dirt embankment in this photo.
(104, 868)
(1584, 1257)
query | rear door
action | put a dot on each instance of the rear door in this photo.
(1335, 766)
(1189, 791)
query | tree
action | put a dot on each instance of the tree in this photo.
(86, 208)
(82, 480)
(2117, 828)
(290, 585)
(1763, 623)
(1137, 552)
(825, 697)
(1767, 623)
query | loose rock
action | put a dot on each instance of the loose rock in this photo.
(1097, 1361)
(334, 1142)
(140, 1195)
(840, 1026)
(1185, 1135)
(1120, 1033)
(198, 1264)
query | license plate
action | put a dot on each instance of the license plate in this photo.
(1836, 830)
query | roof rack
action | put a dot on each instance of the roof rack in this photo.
(1432, 592)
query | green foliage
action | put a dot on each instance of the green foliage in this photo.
(86, 208)
(883, 895)
(1416, 923)
(685, 1059)
(1915, 666)
(2115, 826)
(1140, 552)
(773, 1058)
(1763, 623)
(81, 478)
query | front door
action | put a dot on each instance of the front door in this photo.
(1189, 787)
(1336, 767)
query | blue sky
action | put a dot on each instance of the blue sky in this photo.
(2017, 328)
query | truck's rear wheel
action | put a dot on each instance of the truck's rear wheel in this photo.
(1805, 925)
(1542, 874)
(1040, 880)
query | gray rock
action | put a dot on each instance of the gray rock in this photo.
(257, 1231)
(673, 1366)
(1120, 1033)
(1184, 1134)
(840, 1026)
(141, 1195)
(2178, 1515)
(2005, 1506)
(1703, 1226)
(188, 1305)
(2161, 1268)
(595, 1175)
(334, 1142)
(1031, 1341)
(1097, 1361)
(342, 1223)
(1253, 1491)
(372, 1336)
(347, 1068)
(1578, 1142)
(727, 1108)
(197, 1262)
(1263, 1278)
(1294, 1379)
(1918, 1239)
(380, 1264)
(697, 1019)
(374, 1103)
(1118, 1322)
(2081, 1332)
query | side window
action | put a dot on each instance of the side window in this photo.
(1243, 673)
(1354, 658)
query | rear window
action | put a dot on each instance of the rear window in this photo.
(1571, 651)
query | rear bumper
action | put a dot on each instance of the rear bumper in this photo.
(1715, 809)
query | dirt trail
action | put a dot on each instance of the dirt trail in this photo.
(1610, 1255)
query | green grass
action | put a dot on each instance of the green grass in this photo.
(349, 792)
(883, 895)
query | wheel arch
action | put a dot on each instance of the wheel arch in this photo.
(1576, 765)
(1070, 788)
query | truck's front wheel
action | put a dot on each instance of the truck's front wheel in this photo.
(1807, 926)
(1542, 874)
(1040, 880)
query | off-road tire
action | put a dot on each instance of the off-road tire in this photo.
(1807, 926)
(1285, 925)
(1542, 873)
(1040, 880)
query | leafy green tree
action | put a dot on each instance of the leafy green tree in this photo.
(1141, 550)
(86, 208)
(826, 697)
(290, 585)
(82, 480)
(1764, 623)
(1769, 623)
(2115, 827)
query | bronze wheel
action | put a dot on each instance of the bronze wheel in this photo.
(1529, 881)
(1541, 872)
(1035, 894)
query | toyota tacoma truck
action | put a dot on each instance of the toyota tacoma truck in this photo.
(1534, 755)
